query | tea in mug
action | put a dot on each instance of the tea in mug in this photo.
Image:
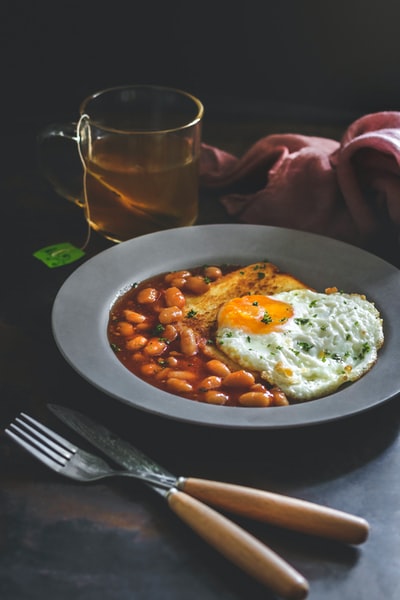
(137, 185)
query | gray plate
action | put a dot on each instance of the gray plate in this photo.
(81, 310)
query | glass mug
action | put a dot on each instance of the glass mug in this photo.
(139, 147)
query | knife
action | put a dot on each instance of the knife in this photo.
(229, 539)
(283, 511)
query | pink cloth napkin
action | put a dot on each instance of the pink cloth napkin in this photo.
(349, 190)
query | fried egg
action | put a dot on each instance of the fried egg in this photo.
(307, 343)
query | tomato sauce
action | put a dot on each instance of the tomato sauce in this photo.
(150, 333)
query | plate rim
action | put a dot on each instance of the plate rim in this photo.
(68, 305)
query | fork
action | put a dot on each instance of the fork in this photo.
(229, 539)
(64, 457)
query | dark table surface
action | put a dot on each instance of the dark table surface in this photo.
(115, 539)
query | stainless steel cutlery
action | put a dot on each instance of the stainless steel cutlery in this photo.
(190, 497)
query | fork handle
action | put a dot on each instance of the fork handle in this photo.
(239, 546)
(284, 511)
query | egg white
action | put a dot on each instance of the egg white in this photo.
(329, 340)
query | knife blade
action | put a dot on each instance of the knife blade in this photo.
(121, 452)
(284, 511)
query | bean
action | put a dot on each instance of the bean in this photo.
(197, 285)
(133, 316)
(279, 396)
(155, 347)
(126, 329)
(178, 282)
(210, 383)
(179, 385)
(157, 305)
(145, 326)
(150, 369)
(174, 297)
(258, 387)
(256, 399)
(172, 361)
(188, 342)
(148, 295)
(170, 333)
(217, 367)
(171, 314)
(163, 374)
(239, 379)
(215, 397)
(176, 275)
(136, 343)
(182, 374)
(213, 272)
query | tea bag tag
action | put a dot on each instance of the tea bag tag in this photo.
(59, 255)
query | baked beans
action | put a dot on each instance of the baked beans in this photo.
(149, 330)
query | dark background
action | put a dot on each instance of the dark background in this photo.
(328, 60)
(296, 62)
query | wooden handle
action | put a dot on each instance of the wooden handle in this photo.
(292, 513)
(239, 546)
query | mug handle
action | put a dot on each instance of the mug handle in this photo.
(60, 162)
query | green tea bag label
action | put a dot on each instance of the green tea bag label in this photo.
(59, 254)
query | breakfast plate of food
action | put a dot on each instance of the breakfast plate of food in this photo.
(237, 326)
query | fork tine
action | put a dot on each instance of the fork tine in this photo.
(51, 449)
(60, 444)
(44, 458)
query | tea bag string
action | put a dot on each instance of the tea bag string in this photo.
(83, 118)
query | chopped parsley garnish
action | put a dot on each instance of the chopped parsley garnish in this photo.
(300, 321)
(266, 318)
(364, 350)
(192, 313)
(305, 346)
(159, 329)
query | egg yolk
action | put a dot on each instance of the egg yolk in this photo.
(255, 313)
